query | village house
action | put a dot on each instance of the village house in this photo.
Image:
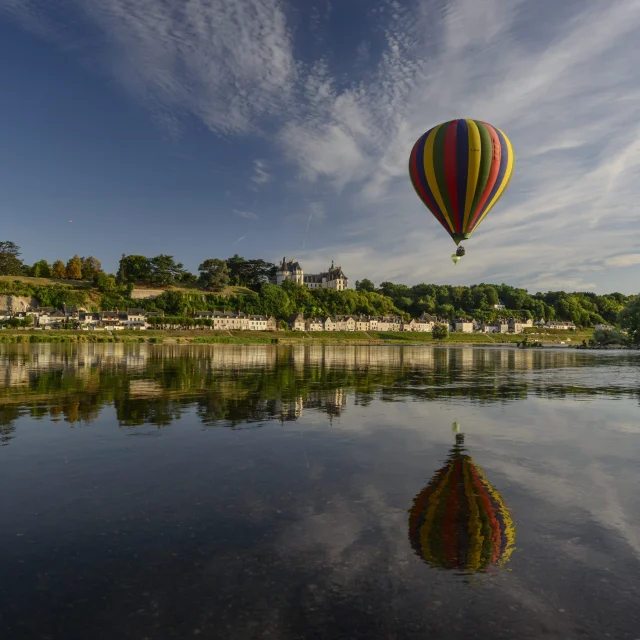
(71, 313)
(604, 327)
(561, 325)
(518, 326)
(314, 324)
(89, 320)
(417, 325)
(328, 324)
(463, 326)
(345, 323)
(296, 322)
(389, 324)
(136, 315)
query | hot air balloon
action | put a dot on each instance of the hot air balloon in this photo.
(459, 521)
(460, 169)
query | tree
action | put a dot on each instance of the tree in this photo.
(10, 262)
(214, 274)
(90, 267)
(365, 285)
(74, 268)
(41, 269)
(275, 301)
(629, 319)
(249, 273)
(235, 264)
(58, 270)
(134, 269)
(440, 331)
(164, 270)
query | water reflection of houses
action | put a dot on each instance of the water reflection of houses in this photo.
(329, 401)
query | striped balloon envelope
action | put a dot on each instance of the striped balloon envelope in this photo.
(459, 521)
(460, 169)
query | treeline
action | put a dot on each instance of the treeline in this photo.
(76, 268)
(481, 301)
(214, 274)
(161, 270)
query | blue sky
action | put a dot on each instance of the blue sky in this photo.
(202, 128)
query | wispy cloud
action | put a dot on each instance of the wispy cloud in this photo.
(626, 260)
(240, 239)
(228, 62)
(260, 174)
(248, 215)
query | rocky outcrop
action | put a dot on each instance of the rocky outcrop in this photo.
(17, 303)
(145, 294)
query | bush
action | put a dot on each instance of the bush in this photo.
(603, 337)
(440, 332)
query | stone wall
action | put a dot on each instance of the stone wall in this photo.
(146, 294)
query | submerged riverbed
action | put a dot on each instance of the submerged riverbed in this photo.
(261, 491)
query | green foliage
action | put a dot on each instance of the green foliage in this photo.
(248, 273)
(365, 285)
(629, 319)
(165, 271)
(40, 269)
(604, 337)
(214, 274)
(478, 301)
(10, 262)
(440, 332)
(134, 268)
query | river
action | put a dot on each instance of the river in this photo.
(314, 492)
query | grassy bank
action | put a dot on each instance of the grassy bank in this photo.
(280, 337)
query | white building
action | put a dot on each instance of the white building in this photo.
(334, 278)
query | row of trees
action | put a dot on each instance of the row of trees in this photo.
(214, 274)
(480, 301)
(76, 268)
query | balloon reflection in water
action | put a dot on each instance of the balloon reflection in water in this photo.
(459, 521)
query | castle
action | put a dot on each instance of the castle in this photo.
(291, 270)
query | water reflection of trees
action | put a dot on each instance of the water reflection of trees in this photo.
(230, 384)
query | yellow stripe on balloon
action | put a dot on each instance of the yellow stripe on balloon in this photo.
(509, 527)
(425, 529)
(431, 176)
(505, 180)
(475, 146)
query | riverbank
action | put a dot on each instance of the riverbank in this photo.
(278, 337)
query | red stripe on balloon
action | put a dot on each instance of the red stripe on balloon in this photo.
(490, 511)
(496, 153)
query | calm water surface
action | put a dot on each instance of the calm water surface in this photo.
(318, 492)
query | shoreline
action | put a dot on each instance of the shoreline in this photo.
(277, 337)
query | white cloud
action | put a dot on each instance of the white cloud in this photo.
(260, 174)
(626, 260)
(248, 215)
